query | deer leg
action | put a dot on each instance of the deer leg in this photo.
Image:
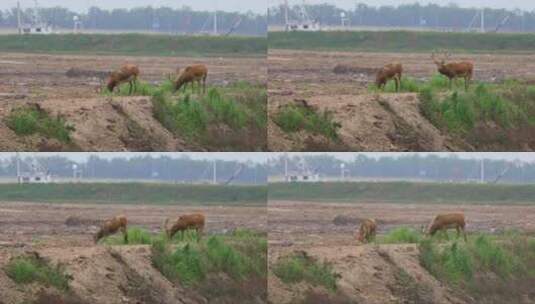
(125, 234)
(398, 83)
(204, 85)
(466, 83)
(130, 88)
(464, 234)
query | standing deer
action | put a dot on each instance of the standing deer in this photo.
(389, 71)
(127, 73)
(443, 222)
(454, 70)
(111, 226)
(192, 74)
(367, 231)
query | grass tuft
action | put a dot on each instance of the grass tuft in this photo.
(25, 270)
(400, 236)
(30, 120)
(296, 268)
(293, 119)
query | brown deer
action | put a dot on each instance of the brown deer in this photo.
(195, 73)
(185, 222)
(389, 71)
(443, 222)
(367, 231)
(111, 226)
(454, 70)
(127, 73)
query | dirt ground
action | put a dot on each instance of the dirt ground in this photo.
(370, 122)
(372, 273)
(104, 274)
(68, 85)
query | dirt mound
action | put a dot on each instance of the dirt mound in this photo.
(371, 122)
(104, 275)
(100, 124)
(369, 274)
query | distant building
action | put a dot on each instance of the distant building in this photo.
(35, 178)
(302, 178)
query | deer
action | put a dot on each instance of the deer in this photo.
(389, 71)
(184, 222)
(111, 226)
(127, 73)
(454, 70)
(191, 74)
(443, 222)
(367, 231)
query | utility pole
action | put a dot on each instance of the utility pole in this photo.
(214, 178)
(286, 20)
(482, 171)
(18, 168)
(482, 20)
(285, 167)
(19, 26)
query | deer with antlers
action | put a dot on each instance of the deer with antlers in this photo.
(389, 71)
(454, 70)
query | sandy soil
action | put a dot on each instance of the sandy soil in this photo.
(370, 122)
(372, 273)
(102, 123)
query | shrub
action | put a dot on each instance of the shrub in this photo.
(401, 235)
(24, 270)
(29, 120)
(296, 268)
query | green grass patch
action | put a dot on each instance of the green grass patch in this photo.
(29, 120)
(26, 270)
(297, 268)
(293, 119)
(467, 263)
(404, 192)
(401, 235)
(135, 193)
(135, 44)
(240, 255)
(404, 41)
(136, 236)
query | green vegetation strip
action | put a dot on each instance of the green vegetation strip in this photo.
(404, 192)
(467, 264)
(135, 193)
(240, 255)
(294, 118)
(25, 270)
(28, 120)
(296, 268)
(402, 41)
(135, 44)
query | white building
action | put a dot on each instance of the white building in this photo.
(35, 178)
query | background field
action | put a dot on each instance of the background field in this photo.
(405, 192)
(135, 193)
(402, 41)
(134, 44)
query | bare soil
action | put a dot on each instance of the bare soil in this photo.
(338, 81)
(372, 273)
(103, 274)
(68, 85)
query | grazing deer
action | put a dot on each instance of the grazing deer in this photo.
(185, 222)
(127, 73)
(389, 71)
(454, 70)
(443, 222)
(111, 226)
(192, 74)
(367, 231)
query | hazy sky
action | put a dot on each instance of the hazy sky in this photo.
(350, 4)
(81, 156)
(524, 157)
(257, 6)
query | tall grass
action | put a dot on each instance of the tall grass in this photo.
(401, 235)
(25, 270)
(296, 268)
(29, 120)
(190, 263)
(293, 119)
(459, 262)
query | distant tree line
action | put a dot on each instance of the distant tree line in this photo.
(449, 17)
(429, 167)
(163, 168)
(163, 19)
